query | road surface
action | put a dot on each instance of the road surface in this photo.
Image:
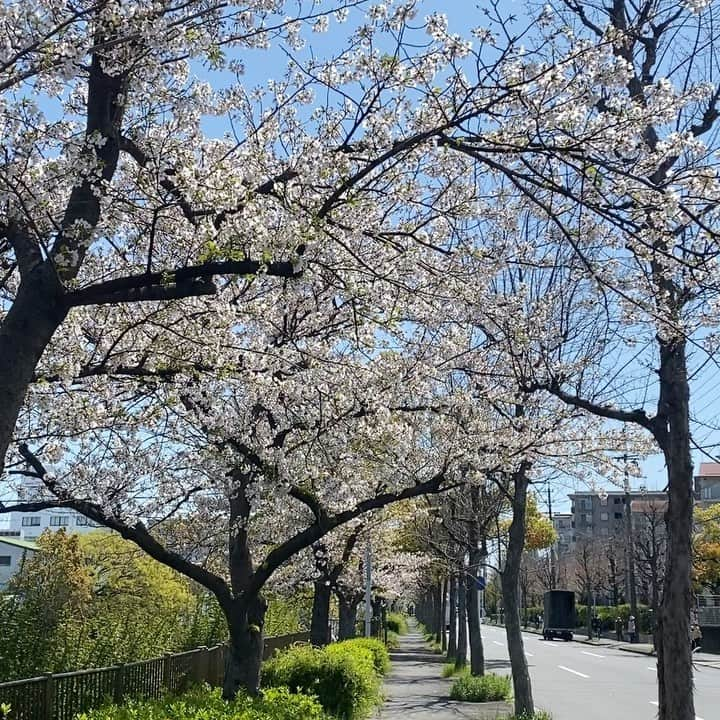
(574, 681)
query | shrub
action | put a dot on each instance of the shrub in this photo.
(204, 704)
(377, 648)
(481, 689)
(397, 623)
(393, 640)
(342, 677)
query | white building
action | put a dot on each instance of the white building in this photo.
(29, 525)
(12, 554)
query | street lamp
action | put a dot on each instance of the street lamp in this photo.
(627, 460)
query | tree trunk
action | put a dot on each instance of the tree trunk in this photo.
(511, 595)
(462, 631)
(675, 673)
(443, 615)
(588, 608)
(320, 622)
(245, 619)
(26, 330)
(438, 612)
(348, 614)
(452, 631)
(477, 654)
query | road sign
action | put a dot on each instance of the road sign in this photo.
(480, 583)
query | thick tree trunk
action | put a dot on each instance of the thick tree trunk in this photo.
(452, 631)
(511, 596)
(320, 621)
(25, 332)
(348, 613)
(443, 616)
(477, 654)
(675, 672)
(245, 618)
(461, 650)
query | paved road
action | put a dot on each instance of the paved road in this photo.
(575, 681)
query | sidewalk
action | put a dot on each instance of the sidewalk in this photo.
(415, 689)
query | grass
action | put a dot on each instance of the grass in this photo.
(451, 669)
(487, 688)
(539, 715)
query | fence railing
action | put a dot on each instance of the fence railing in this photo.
(62, 696)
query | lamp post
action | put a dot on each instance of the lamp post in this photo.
(368, 590)
(630, 551)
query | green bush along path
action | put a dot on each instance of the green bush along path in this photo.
(415, 689)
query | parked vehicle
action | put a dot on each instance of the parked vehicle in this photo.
(559, 615)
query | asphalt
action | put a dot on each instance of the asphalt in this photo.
(415, 690)
(577, 680)
(699, 658)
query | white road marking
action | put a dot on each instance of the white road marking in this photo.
(584, 652)
(497, 643)
(529, 654)
(654, 669)
(574, 672)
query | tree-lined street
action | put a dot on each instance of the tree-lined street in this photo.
(319, 303)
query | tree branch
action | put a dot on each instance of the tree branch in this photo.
(188, 281)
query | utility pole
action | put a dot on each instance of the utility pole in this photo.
(551, 555)
(368, 590)
(630, 543)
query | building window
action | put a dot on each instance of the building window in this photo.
(604, 531)
(603, 500)
(81, 520)
(60, 520)
(31, 522)
(572, 524)
(707, 493)
(5, 560)
(603, 516)
(618, 516)
(617, 501)
(31, 537)
(586, 504)
(9, 533)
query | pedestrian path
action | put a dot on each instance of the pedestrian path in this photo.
(415, 689)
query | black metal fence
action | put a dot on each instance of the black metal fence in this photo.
(62, 696)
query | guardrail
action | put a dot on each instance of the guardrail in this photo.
(61, 696)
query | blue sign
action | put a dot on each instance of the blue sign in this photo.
(480, 583)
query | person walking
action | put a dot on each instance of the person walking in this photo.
(618, 629)
(596, 625)
(631, 628)
(695, 637)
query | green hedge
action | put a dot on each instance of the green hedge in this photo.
(486, 688)
(377, 648)
(397, 623)
(342, 676)
(205, 704)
